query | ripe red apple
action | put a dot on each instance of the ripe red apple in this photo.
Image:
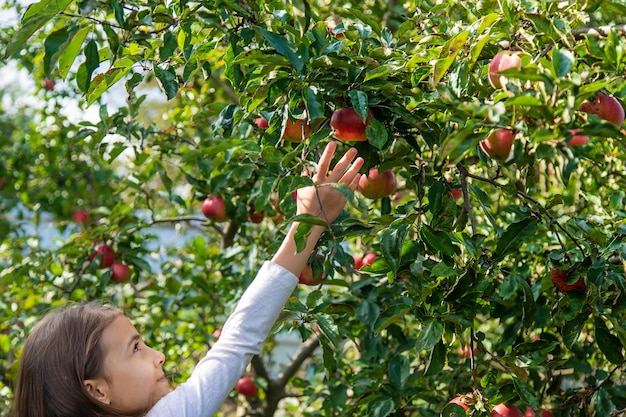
(605, 107)
(247, 387)
(213, 208)
(498, 144)
(306, 276)
(120, 272)
(456, 192)
(48, 83)
(544, 413)
(459, 401)
(261, 122)
(292, 130)
(358, 263)
(80, 216)
(502, 61)
(577, 140)
(106, 254)
(506, 410)
(348, 125)
(559, 279)
(368, 258)
(377, 185)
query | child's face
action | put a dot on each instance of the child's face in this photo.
(133, 373)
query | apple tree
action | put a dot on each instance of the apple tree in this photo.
(500, 262)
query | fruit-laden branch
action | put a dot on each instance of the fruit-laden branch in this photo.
(598, 31)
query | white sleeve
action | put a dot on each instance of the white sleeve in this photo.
(242, 337)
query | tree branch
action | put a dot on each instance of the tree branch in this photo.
(598, 31)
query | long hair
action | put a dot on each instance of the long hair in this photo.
(61, 352)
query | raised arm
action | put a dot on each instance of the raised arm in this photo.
(322, 201)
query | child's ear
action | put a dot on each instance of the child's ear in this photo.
(98, 389)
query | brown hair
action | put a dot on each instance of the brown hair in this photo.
(61, 352)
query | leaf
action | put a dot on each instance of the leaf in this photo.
(571, 329)
(367, 313)
(437, 359)
(514, 236)
(71, 51)
(562, 62)
(602, 404)
(431, 333)
(451, 50)
(52, 44)
(328, 327)
(608, 343)
(378, 72)
(285, 48)
(392, 239)
(376, 133)
(526, 393)
(359, 102)
(399, 371)
(439, 241)
(168, 80)
(381, 408)
(169, 46)
(314, 103)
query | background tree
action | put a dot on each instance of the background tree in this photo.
(499, 270)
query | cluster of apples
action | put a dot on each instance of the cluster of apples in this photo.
(499, 142)
(501, 410)
(120, 272)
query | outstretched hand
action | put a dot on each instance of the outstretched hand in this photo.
(321, 200)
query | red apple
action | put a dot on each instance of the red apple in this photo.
(348, 125)
(456, 193)
(502, 61)
(80, 216)
(105, 253)
(605, 107)
(459, 401)
(464, 351)
(577, 140)
(358, 263)
(368, 258)
(559, 279)
(48, 83)
(498, 144)
(377, 185)
(306, 276)
(247, 387)
(120, 272)
(293, 131)
(261, 122)
(213, 208)
(531, 413)
(504, 410)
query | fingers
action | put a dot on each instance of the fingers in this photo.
(324, 162)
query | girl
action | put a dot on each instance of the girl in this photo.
(89, 360)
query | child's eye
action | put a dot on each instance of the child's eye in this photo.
(136, 347)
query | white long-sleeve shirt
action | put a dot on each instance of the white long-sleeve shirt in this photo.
(242, 337)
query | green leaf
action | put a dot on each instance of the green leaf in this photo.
(381, 408)
(118, 11)
(359, 102)
(71, 51)
(52, 44)
(439, 241)
(526, 393)
(608, 343)
(314, 103)
(168, 81)
(572, 328)
(399, 370)
(392, 240)
(514, 236)
(562, 62)
(328, 327)
(285, 48)
(376, 133)
(448, 55)
(431, 333)
(602, 404)
(436, 360)
(367, 313)
(169, 46)
(378, 72)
